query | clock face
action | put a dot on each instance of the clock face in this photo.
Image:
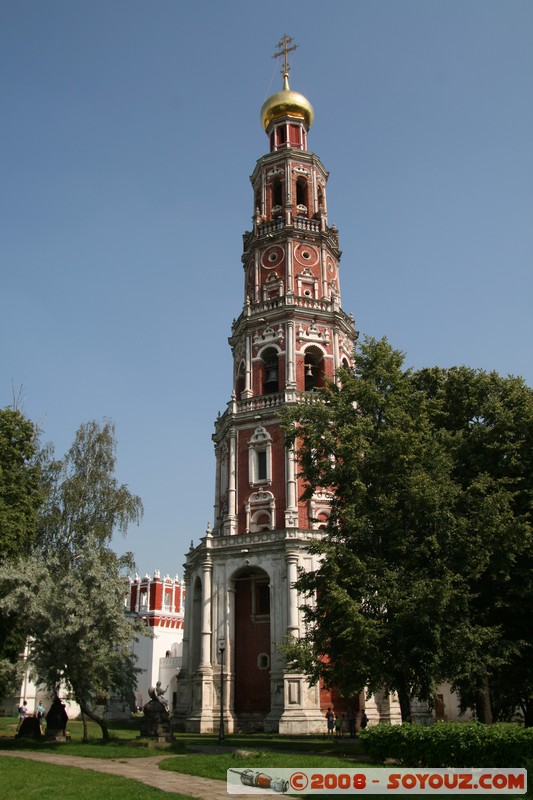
(273, 256)
(306, 255)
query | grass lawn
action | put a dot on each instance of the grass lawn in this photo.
(23, 780)
(215, 766)
(125, 742)
(124, 736)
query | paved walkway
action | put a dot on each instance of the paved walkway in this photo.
(145, 770)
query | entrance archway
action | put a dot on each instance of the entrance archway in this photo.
(252, 647)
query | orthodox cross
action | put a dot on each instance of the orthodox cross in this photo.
(284, 49)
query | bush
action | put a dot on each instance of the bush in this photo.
(449, 744)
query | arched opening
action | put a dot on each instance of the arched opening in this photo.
(313, 369)
(260, 521)
(301, 197)
(277, 197)
(270, 378)
(240, 380)
(252, 647)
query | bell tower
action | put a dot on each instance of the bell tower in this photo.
(290, 337)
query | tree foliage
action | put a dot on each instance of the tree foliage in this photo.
(429, 527)
(21, 489)
(489, 423)
(79, 638)
(71, 587)
(85, 500)
(22, 492)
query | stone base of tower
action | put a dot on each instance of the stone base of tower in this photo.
(383, 708)
(299, 714)
(301, 723)
(198, 705)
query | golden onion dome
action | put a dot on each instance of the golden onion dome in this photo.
(286, 102)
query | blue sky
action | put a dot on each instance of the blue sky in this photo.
(129, 131)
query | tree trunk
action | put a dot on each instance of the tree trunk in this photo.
(405, 702)
(99, 721)
(85, 730)
(483, 705)
(527, 708)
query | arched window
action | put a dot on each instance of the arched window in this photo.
(301, 196)
(260, 457)
(313, 369)
(319, 510)
(260, 521)
(270, 371)
(240, 381)
(260, 511)
(277, 195)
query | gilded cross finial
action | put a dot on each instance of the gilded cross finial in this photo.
(285, 48)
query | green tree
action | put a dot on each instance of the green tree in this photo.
(382, 596)
(79, 638)
(71, 587)
(22, 493)
(21, 489)
(489, 422)
(426, 570)
(85, 499)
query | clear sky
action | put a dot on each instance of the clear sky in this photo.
(129, 131)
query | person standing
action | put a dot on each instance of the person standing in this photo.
(40, 713)
(344, 724)
(23, 713)
(330, 721)
(351, 722)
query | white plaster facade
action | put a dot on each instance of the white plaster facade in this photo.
(213, 571)
(160, 603)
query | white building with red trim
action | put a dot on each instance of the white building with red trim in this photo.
(160, 603)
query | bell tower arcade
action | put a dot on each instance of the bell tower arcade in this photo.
(290, 337)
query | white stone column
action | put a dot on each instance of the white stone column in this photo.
(290, 268)
(324, 271)
(336, 354)
(289, 350)
(232, 483)
(205, 652)
(218, 467)
(292, 601)
(248, 367)
(257, 273)
(291, 512)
